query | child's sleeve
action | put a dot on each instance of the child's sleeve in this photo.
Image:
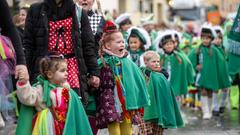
(29, 95)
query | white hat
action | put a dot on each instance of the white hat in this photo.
(207, 28)
(147, 20)
(122, 18)
(177, 35)
(162, 37)
(142, 34)
(218, 29)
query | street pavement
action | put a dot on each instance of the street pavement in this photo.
(228, 124)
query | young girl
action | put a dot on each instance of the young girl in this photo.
(163, 111)
(223, 68)
(50, 106)
(178, 66)
(206, 60)
(124, 22)
(138, 42)
(122, 89)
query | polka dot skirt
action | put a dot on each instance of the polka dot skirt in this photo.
(60, 40)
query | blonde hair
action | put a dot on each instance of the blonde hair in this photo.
(148, 55)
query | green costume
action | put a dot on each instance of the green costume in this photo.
(211, 75)
(181, 73)
(76, 120)
(164, 108)
(133, 82)
(153, 36)
(136, 57)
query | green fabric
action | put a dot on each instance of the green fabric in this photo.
(91, 107)
(153, 36)
(133, 81)
(210, 75)
(182, 74)
(234, 35)
(223, 72)
(136, 56)
(227, 24)
(233, 64)
(234, 96)
(235, 31)
(76, 121)
(125, 36)
(164, 108)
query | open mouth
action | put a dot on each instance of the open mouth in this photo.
(84, 4)
(121, 50)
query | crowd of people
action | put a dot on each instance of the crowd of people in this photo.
(78, 71)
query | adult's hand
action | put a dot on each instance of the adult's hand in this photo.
(94, 81)
(21, 73)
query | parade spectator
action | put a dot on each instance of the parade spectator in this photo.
(96, 20)
(8, 29)
(21, 21)
(52, 25)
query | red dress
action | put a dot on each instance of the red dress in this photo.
(60, 40)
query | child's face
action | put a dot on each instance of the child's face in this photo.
(86, 4)
(169, 46)
(117, 45)
(125, 27)
(153, 64)
(206, 41)
(218, 41)
(60, 76)
(134, 43)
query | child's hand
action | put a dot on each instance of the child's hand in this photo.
(94, 81)
(199, 67)
(23, 76)
(21, 73)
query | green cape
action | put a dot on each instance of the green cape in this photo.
(234, 35)
(182, 74)
(211, 76)
(164, 108)
(133, 82)
(223, 69)
(76, 121)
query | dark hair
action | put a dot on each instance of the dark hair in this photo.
(127, 21)
(50, 63)
(136, 36)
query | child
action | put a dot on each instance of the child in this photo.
(124, 23)
(138, 42)
(223, 68)
(50, 106)
(206, 60)
(122, 89)
(178, 66)
(163, 111)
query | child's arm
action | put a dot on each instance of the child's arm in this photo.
(29, 95)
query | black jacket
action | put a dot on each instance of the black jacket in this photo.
(8, 29)
(36, 40)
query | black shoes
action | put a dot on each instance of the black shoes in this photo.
(215, 113)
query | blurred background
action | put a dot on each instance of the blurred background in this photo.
(164, 11)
